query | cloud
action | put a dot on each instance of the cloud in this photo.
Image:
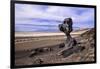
(52, 15)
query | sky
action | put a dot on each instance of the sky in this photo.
(46, 18)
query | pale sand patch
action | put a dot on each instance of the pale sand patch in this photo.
(37, 39)
(37, 34)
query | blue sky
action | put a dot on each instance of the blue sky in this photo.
(45, 18)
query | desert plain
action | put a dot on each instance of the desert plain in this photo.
(33, 48)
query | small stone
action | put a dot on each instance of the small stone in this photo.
(39, 61)
(62, 45)
(33, 53)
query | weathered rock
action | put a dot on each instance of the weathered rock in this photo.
(47, 49)
(72, 50)
(69, 44)
(32, 53)
(67, 52)
(62, 45)
(74, 42)
(38, 61)
(35, 52)
(67, 28)
(38, 50)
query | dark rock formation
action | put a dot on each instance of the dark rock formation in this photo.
(72, 50)
(62, 45)
(67, 28)
(39, 51)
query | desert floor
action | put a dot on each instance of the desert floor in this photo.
(42, 48)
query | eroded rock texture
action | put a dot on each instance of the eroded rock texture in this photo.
(66, 27)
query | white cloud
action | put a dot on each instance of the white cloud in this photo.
(79, 15)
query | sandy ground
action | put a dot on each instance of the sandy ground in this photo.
(25, 43)
(37, 34)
